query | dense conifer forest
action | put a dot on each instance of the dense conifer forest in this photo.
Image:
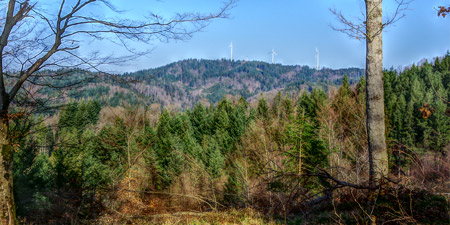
(242, 156)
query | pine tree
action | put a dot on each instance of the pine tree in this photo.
(409, 133)
(169, 149)
(215, 160)
(67, 115)
(199, 122)
(308, 150)
(262, 111)
(345, 87)
(440, 122)
(287, 107)
(67, 164)
(418, 100)
(275, 110)
(93, 109)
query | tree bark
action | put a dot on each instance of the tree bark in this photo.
(378, 157)
(7, 207)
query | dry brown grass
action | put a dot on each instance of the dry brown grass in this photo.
(244, 216)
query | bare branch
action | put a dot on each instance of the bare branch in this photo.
(353, 30)
(356, 27)
(60, 35)
(402, 6)
(11, 21)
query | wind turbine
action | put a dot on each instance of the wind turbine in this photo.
(273, 54)
(231, 52)
(317, 58)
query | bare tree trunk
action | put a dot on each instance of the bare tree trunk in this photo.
(7, 207)
(378, 157)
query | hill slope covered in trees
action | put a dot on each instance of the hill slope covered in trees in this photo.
(184, 83)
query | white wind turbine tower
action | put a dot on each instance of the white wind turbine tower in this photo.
(317, 58)
(231, 51)
(273, 54)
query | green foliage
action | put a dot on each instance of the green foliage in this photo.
(79, 115)
(416, 109)
(213, 159)
(262, 111)
(229, 146)
(201, 122)
(194, 74)
(233, 190)
(33, 171)
(308, 150)
(410, 91)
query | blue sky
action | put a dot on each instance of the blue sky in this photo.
(293, 28)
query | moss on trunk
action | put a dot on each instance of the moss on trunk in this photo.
(7, 206)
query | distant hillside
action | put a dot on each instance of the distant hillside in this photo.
(182, 84)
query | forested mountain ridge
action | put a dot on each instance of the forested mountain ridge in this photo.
(185, 82)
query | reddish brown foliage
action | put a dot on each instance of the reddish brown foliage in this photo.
(426, 111)
(443, 11)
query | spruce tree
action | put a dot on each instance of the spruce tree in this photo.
(262, 111)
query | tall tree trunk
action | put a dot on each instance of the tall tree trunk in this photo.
(378, 157)
(7, 207)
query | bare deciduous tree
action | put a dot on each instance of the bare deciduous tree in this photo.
(370, 28)
(34, 37)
